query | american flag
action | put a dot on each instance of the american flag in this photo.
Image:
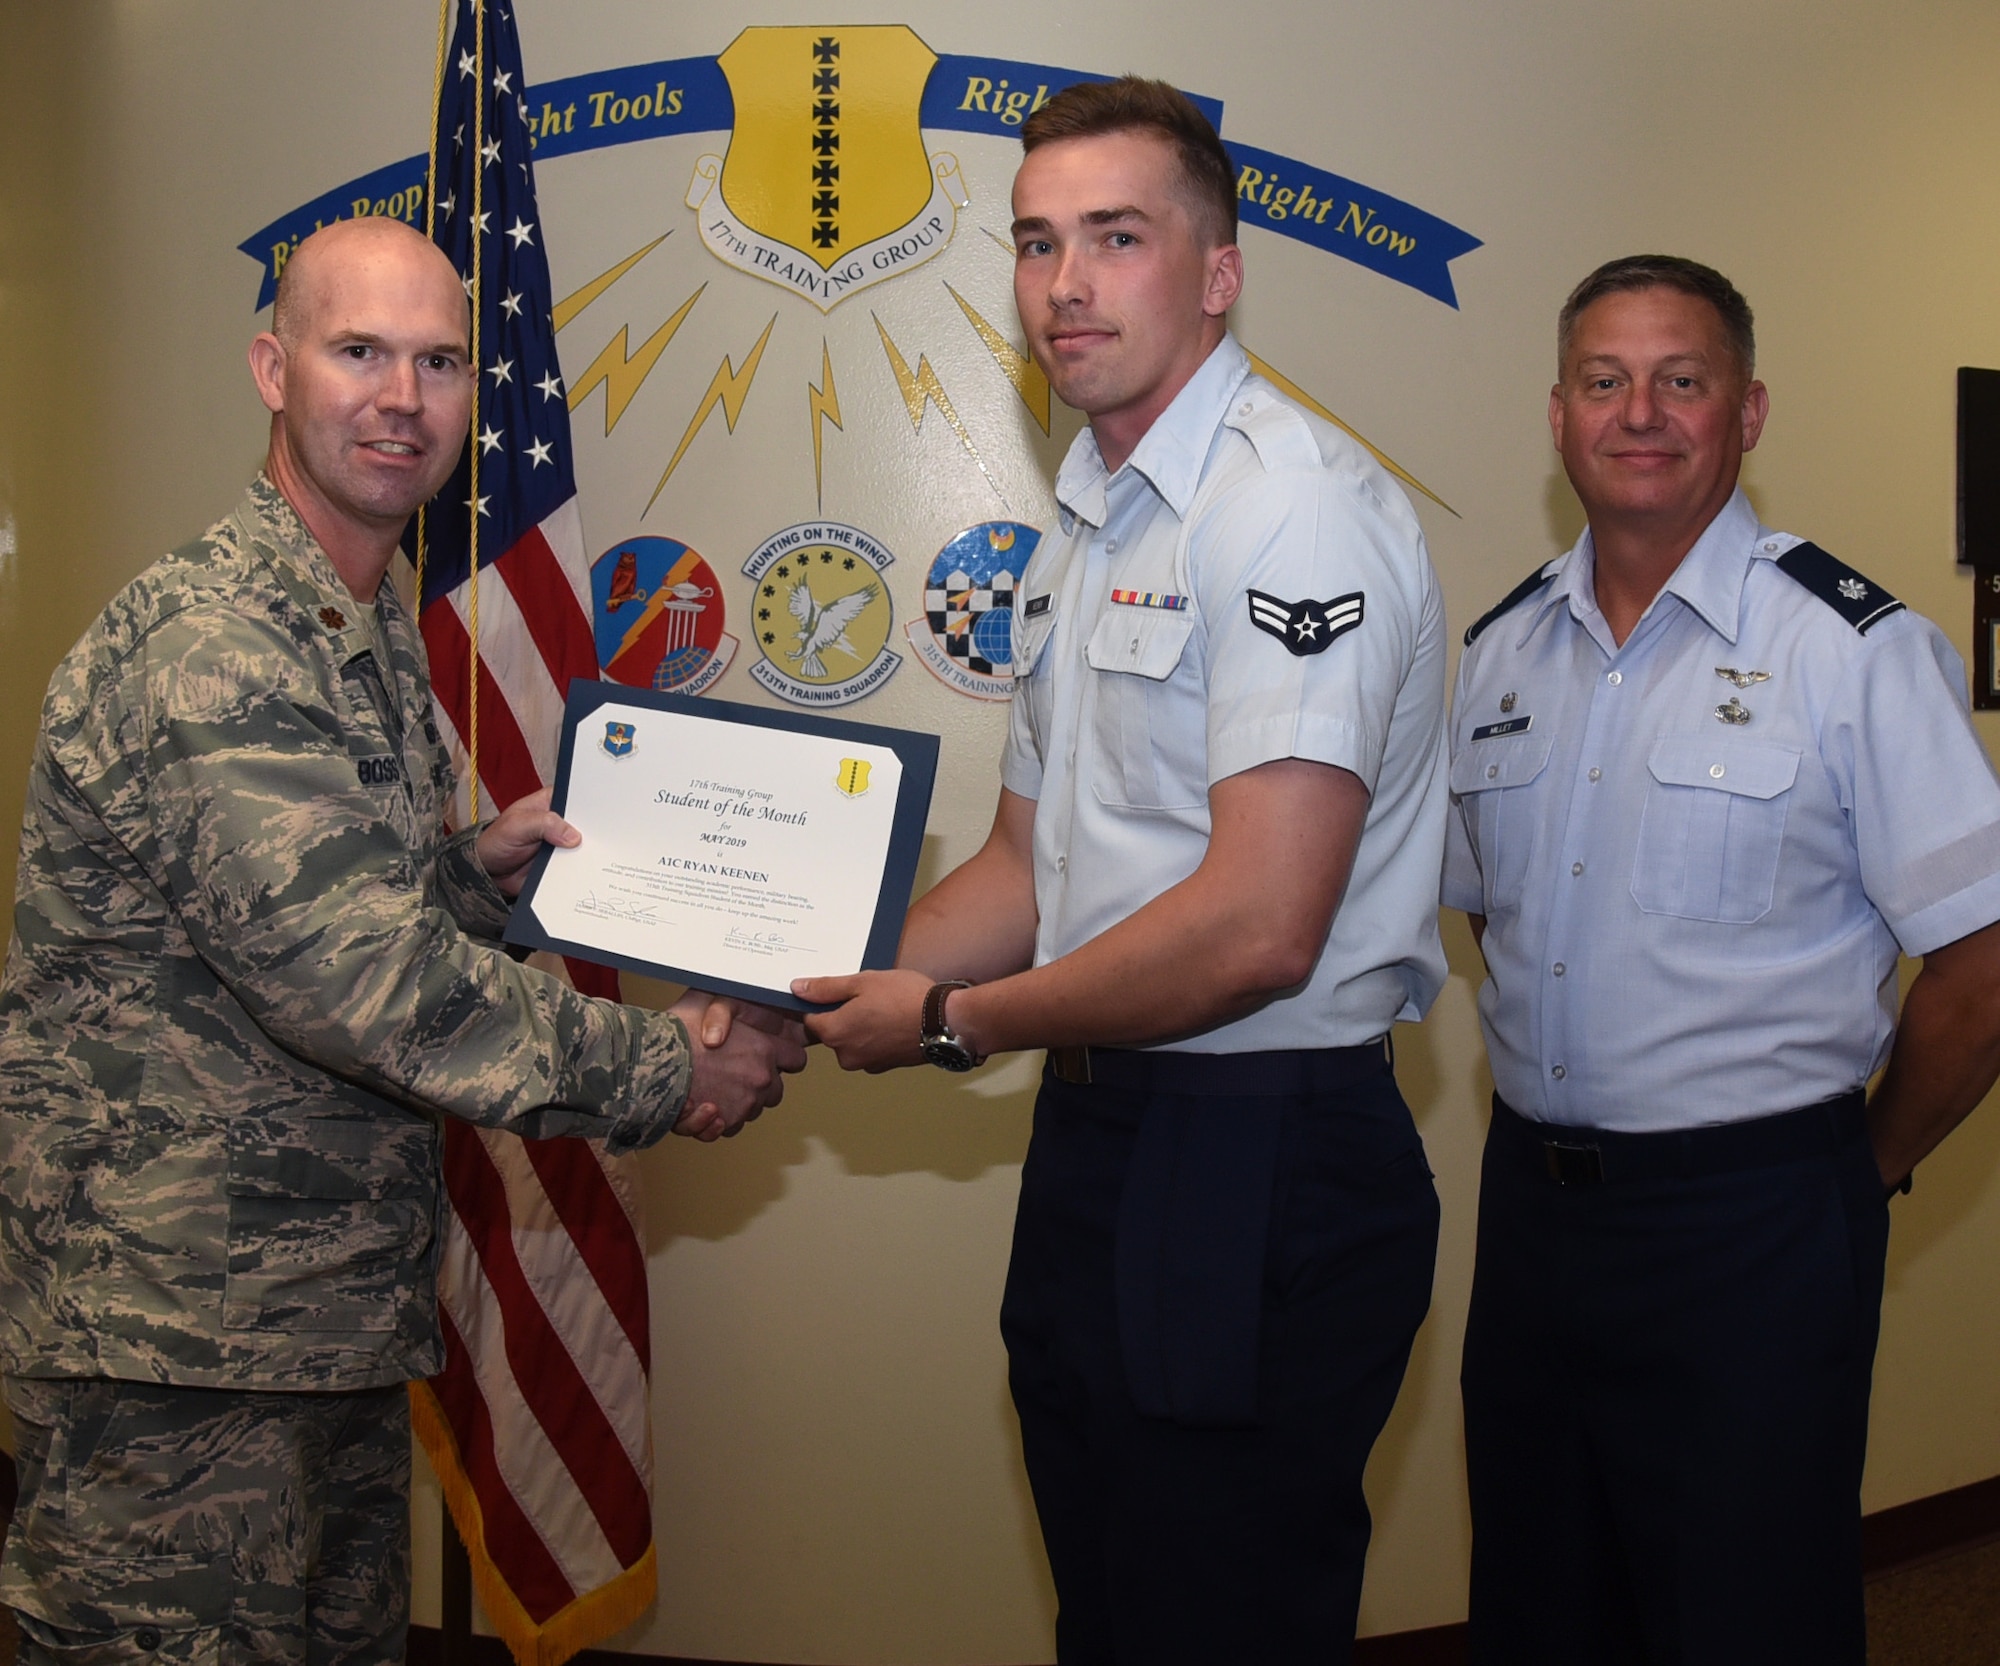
(537, 1426)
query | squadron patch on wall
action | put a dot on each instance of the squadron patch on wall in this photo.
(966, 637)
(826, 187)
(658, 616)
(1305, 627)
(822, 614)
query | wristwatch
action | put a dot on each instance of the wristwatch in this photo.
(940, 1046)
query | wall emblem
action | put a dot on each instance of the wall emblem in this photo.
(826, 187)
(966, 637)
(658, 614)
(822, 614)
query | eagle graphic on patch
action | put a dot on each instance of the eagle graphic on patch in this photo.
(1305, 627)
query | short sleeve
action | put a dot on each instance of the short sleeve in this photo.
(1917, 785)
(1313, 591)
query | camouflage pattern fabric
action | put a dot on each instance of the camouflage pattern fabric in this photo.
(240, 991)
(192, 1524)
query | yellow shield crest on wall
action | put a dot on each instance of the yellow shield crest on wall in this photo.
(826, 186)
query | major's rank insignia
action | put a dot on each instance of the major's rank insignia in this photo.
(1305, 627)
(852, 777)
(333, 618)
(618, 738)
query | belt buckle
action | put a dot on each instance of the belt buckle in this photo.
(1071, 1065)
(1573, 1165)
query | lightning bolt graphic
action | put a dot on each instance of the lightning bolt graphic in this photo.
(623, 373)
(1016, 366)
(922, 388)
(728, 387)
(570, 305)
(1287, 385)
(823, 406)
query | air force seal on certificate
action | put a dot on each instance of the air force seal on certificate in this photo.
(822, 614)
(657, 611)
(826, 187)
(966, 637)
(618, 738)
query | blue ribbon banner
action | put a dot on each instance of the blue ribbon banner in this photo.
(969, 95)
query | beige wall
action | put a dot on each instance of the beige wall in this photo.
(838, 1469)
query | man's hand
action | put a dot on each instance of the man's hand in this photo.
(742, 1052)
(514, 838)
(877, 1025)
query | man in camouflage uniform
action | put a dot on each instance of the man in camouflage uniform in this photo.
(242, 987)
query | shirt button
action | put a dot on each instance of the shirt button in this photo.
(1062, 864)
(1135, 644)
(1576, 868)
(1615, 678)
(1715, 772)
(1773, 544)
(1491, 771)
(1557, 1072)
(1111, 546)
(1596, 773)
(1559, 968)
(1244, 409)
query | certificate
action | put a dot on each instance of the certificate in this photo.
(730, 847)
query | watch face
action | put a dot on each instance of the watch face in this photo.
(947, 1053)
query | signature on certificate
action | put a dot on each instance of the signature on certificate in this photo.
(746, 941)
(613, 908)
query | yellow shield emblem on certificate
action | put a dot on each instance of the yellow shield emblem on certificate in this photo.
(826, 187)
(852, 778)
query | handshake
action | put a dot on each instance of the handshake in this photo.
(742, 1049)
(742, 1054)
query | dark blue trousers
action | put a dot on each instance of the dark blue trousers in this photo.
(1220, 1264)
(1666, 1386)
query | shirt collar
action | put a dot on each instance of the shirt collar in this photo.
(281, 538)
(1709, 579)
(1171, 453)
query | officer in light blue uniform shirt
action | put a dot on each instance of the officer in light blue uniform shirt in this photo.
(1708, 784)
(1209, 890)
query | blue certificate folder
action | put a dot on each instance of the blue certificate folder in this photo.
(916, 753)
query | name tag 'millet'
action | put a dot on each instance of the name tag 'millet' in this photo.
(1513, 726)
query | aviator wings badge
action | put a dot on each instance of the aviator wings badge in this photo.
(1742, 679)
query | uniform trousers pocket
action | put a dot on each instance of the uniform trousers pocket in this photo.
(105, 1551)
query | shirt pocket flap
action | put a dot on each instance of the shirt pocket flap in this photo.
(1031, 636)
(1506, 761)
(1751, 769)
(1147, 642)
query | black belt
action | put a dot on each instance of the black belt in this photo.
(1598, 1156)
(1299, 1070)
(1195, 1211)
